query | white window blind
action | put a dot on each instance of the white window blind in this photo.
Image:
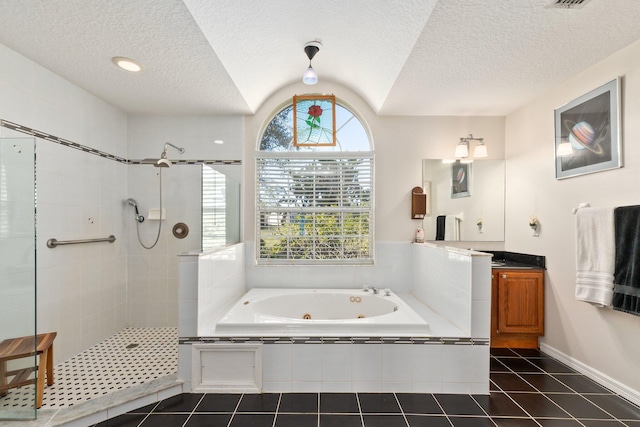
(214, 208)
(315, 208)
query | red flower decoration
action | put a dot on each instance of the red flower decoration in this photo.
(315, 111)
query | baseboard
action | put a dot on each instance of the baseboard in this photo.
(597, 376)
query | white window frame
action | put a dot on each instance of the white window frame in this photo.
(259, 210)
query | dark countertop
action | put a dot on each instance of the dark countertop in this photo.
(516, 261)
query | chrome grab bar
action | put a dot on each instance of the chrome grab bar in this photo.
(52, 243)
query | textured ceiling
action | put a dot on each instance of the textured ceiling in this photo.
(409, 57)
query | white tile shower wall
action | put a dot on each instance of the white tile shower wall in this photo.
(220, 283)
(147, 135)
(17, 250)
(442, 281)
(35, 97)
(81, 288)
(153, 273)
(392, 269)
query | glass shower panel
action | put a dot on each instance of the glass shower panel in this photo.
(17, 274)
(220, 206)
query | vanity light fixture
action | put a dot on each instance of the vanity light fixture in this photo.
(462, 149)
(126, 64)
(310, 77)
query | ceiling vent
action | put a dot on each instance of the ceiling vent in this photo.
(568, 4)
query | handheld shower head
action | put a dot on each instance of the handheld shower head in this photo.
(132, 202)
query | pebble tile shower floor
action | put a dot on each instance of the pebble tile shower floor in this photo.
(132, 356)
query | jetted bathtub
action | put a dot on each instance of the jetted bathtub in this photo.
(307, 312)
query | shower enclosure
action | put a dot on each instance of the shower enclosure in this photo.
(17, 269)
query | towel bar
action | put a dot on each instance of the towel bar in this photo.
(52, 243)
(580, 206)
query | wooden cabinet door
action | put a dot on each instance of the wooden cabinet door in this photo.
(494, 302)
(521, 302)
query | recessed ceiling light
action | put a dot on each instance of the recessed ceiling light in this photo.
(126, 64)
(218, 141)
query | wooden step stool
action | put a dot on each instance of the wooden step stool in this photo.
(19, 348)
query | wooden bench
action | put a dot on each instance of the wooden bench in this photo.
(19, 348)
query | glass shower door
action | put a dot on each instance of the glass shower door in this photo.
(17, 275)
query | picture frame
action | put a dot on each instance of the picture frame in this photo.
(314, 120)
(460, 179)
(589, 129)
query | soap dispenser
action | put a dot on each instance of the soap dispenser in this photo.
(419, 235)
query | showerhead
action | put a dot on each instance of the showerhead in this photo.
(159, 163)
(162, 162)
(132, 202)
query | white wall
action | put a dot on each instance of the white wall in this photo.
(81, 289)
(603, 339)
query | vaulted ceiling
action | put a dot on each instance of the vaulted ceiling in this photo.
(409, 57)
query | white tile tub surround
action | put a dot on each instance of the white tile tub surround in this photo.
(210, 283)
(419, 273)
(390, 270)
(454, 283)
(423, 368)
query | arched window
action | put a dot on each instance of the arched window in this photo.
(314, 205)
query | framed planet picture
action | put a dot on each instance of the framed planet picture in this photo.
(587, 132)
(460, 179)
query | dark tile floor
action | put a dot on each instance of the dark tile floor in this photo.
(528, 388)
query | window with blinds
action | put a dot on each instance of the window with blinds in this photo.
(314, 208)
(214, 208)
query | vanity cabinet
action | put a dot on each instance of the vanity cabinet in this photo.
(517, 307)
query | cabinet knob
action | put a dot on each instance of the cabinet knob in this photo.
(504, 276)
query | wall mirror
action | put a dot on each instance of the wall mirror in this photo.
(478, 210)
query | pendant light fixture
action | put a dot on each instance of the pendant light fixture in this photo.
(310, 77)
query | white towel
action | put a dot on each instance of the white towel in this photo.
(452, 228)
(595, 255)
